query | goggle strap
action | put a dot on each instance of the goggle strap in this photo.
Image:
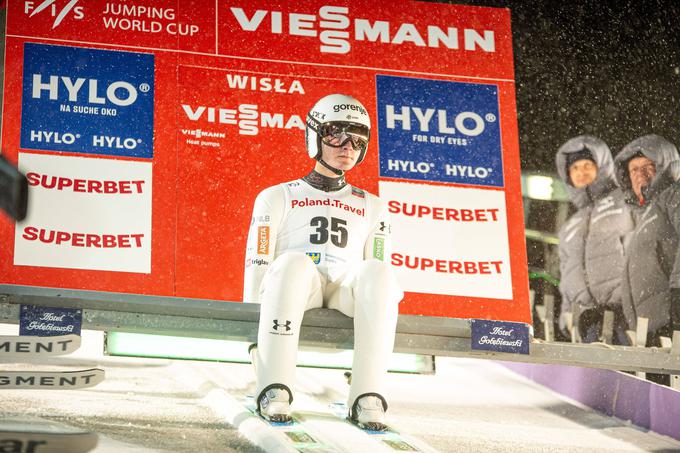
(334, 170)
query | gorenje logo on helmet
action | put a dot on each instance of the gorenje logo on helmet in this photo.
(352, 107)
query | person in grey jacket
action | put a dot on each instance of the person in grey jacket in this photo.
(647, 169)
(591, 241)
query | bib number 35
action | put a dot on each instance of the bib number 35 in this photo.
(337, 232)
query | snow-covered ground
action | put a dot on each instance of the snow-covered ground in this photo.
(469, 405)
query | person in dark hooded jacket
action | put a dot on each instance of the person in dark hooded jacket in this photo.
(662, 234)
(647, 169)
(591, 241)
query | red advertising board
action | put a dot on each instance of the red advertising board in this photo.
(147, 129)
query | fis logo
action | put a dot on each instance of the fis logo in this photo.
(50, 7)
(282, 325)
(315, 256)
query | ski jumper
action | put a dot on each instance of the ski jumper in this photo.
(310, 248)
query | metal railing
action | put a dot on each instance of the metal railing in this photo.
(322, 328)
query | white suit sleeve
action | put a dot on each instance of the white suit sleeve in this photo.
(379, 241)
(261, 243)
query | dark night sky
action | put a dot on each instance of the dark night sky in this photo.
(611, 70)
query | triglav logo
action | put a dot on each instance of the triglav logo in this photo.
(54, 10)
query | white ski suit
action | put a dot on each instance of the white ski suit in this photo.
(308, 248)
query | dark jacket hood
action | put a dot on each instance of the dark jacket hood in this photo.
(661, 152)
(605, 180)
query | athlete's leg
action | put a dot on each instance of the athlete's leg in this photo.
(370, 294)
(291, 286)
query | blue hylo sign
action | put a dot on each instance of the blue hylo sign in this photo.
(90, 101)
(46, 321)
(435, 130)
(499, 336)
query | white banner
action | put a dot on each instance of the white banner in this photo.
(465, 251)
(51, 380)
(30, 346)
(86, 213)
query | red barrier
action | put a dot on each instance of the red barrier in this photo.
(148, 128)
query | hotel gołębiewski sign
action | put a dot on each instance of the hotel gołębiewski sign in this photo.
(147, 128)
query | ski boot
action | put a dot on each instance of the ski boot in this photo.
(273, 404)
(368, 412)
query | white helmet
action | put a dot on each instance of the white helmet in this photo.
(340, 115)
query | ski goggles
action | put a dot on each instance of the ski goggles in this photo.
(338, 133)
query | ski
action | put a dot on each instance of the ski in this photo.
(320, 427)
(390, 437)
(295, 432)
